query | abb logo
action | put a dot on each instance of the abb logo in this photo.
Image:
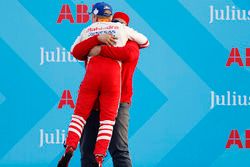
(234, 139)
(235, 57)
(82, 15)
(66, 99)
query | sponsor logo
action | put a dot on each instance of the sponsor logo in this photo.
(66, 99)
(229, 99)
(59, 55)
(235, 140)
(228, 13)
(56, 136)
(82, 15)
(235, 58)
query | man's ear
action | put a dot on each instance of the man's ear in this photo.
(94, 18)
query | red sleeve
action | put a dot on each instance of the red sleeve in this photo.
(119, 53)
(81, 50)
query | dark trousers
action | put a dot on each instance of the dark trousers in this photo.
(118, 147)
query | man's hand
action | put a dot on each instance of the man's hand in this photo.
(95, 51)
(107, 39)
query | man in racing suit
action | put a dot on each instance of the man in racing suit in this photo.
(129, 56)
(103, 80)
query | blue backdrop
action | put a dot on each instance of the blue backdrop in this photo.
(171, 123)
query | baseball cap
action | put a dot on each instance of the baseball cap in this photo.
(102, 9)
(121, 15)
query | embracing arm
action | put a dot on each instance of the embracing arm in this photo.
(83, 48)
(125, 53)
(129, 52)
(117, 53)
(80, 51)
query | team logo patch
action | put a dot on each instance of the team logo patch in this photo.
(96, 11)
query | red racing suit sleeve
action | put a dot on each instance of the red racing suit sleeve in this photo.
(119, 53)
(81, 50)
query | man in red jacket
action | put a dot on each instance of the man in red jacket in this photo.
(128, 55)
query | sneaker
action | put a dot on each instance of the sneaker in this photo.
(99, 160)
(64, 161)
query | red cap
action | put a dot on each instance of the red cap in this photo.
(121, 15)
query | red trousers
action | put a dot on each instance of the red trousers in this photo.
(102, 80)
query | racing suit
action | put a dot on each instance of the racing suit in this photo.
(102, 80)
